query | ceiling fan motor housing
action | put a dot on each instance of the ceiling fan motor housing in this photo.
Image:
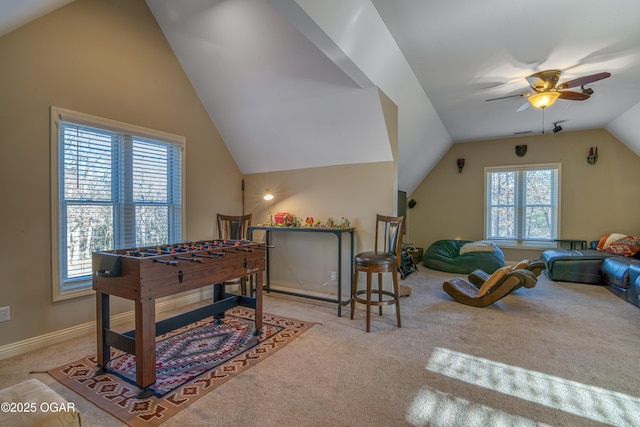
(544, 80)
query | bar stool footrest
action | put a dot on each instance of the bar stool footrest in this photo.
(392, 301)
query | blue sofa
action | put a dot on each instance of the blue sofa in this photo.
(575, 265)
(620, 274)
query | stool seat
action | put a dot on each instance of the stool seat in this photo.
(378, 262)
(376, 258)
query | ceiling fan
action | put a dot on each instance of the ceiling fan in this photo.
(546, 89)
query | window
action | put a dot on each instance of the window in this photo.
(522, 205)
(114, 186)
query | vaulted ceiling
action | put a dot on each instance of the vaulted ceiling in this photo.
(293, 84)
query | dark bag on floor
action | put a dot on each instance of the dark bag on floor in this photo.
(407, 266)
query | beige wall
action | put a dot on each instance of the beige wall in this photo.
(109, 59)
(595, 199)
(304, 262)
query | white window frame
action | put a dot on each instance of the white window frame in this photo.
(518, 242)
(81, 287)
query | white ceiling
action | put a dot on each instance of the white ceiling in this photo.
(466, 51)
(293, 83)
(277, 101)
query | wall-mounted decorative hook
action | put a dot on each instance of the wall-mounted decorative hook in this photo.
(592, 158)
(460, 163)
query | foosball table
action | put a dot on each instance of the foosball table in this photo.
(145, 274)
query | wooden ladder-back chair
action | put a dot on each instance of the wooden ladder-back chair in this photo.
(235, 227)
(385, 258)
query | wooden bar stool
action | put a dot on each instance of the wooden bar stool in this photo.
(235, 227)
(389, 232)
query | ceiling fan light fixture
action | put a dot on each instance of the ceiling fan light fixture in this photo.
(543, 99)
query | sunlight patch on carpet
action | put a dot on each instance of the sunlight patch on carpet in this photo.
(435, 408)
(583, 400)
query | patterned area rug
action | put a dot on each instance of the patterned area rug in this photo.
(190, 362)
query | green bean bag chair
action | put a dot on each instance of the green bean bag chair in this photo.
(444, 255)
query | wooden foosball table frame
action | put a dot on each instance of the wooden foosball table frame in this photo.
(145, 274)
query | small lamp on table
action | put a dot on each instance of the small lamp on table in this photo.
(268, 196)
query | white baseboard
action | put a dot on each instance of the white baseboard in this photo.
(55, 337)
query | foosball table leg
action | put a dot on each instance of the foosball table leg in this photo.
(145, 392)
(218, 295)
(101, 370)
(258, 318)
(103, 322)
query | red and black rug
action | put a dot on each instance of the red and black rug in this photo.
(190, 362)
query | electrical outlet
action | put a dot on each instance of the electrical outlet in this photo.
(334, 275)
(5, 314)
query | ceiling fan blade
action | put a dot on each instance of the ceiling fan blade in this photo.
(573, 96)
(508, 96)
(523, 107)
(581, 81)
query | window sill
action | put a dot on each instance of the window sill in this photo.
(72, 293)
(531, 246)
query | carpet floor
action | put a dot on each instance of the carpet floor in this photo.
(559, 354)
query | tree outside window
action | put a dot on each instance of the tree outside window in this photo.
(522, 204)
(115, 190)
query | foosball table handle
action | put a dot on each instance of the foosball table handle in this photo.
(167, 262)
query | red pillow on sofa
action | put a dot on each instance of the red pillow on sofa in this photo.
(627, 246)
